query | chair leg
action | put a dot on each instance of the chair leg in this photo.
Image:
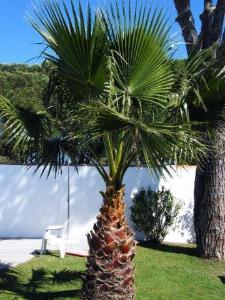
(43, 246)
(62, 249)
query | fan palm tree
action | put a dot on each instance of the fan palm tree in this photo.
(115, 70)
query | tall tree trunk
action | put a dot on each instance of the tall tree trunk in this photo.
(207, 24)
(212, 24)
(209, 207)
(110, 270)
(218, 20)
(198, 196)
(209, 210)
(187, 24)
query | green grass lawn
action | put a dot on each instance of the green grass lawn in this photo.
(162, 272)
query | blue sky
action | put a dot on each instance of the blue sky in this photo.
(18, 38)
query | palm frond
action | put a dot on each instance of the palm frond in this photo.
(198, 91)
(23, 127)
(78, 42)
(213, 95)
(158, 139)
(139, 52)
(204, 91)
(53, 153)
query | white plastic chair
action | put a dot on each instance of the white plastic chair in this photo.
(55, 234)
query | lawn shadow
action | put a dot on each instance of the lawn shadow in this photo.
(40, 283)
(170, 248)
(222, 279)
(4, 266)
(37, 253)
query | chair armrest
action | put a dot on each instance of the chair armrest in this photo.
(55, 227)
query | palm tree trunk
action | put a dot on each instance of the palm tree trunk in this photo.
(209, 210)
(110, 270)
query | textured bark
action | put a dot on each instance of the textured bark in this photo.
(208, 4)
(198, 196)
(212, 20)
(187, 24)
(110, 270)
(218, 19)
(207, 23)
(209, 211)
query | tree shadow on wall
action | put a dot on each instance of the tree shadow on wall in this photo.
(40, 284)
(170, 248)
(186, 224)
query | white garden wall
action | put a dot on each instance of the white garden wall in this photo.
(29, 203)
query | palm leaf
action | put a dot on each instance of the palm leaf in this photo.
(78, 43)
(158, 139)
(139, 46)
(53, 153)
(23, 127)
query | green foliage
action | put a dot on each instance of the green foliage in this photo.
(23, 84)
(115, 69)
(154, 212)
(202, 82)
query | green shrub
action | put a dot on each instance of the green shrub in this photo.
(154, 212)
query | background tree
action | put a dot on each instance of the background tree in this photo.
(212, 19)
(27, 86)
(24, 85)
(209, 209)
(115, 65)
